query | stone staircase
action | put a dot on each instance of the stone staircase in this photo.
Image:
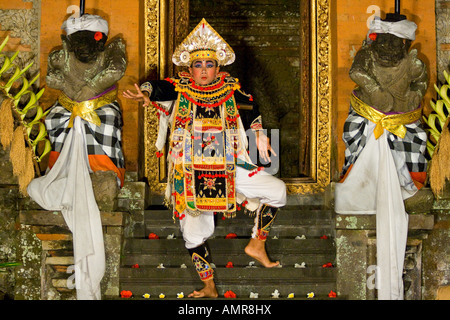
(302, 239)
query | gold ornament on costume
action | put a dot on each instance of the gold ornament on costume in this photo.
(203, 43)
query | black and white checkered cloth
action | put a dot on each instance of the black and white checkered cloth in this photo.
(105, 139)
(410, 150)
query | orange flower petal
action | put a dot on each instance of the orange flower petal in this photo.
(230, 294)
(125, 294)
(153, 236)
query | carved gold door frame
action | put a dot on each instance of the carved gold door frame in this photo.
(166, 25)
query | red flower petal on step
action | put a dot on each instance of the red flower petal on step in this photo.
(126, 294)
(373, 36)
(327, 265)
(324, 237)
(229, 265)
(135, 266)
(153, 236)
(229, 294)
(231, 236)
(332, 294)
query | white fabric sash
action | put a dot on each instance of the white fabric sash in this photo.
(373, 187)
(67, 187)
(403, 29)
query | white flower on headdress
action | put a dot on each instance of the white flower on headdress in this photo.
(221, 54)
(184, 56)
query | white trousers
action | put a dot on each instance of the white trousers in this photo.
(269, 189)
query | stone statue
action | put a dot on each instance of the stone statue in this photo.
(385, 143)
(389, 78)
(86, 70)
(84, 128)
(86, 66)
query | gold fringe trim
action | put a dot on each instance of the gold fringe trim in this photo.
(439, 170)
(21, 160)
(28, 173)
(6, 122)
(18, 152)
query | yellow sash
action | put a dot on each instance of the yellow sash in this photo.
(394, 123)
(86, 109)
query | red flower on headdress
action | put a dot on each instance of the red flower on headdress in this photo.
(373, 36)
(98, 36)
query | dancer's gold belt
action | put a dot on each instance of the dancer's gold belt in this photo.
(86, 109)
(394, 123)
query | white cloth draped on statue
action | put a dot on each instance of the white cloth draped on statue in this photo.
(378, 184)
(67, 187)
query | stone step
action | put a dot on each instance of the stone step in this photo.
(241, 281)
(291, 222)
(229, 246)
(220, 260)
(245, 230)
(285, 215)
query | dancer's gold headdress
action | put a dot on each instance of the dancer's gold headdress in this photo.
(203, 43)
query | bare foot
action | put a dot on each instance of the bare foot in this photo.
(256, 249)
(209, 291)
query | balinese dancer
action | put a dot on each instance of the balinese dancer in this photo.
(209, 168)
(84, 128)
(385, 143)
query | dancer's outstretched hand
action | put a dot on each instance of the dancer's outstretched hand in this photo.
(263, 145)
(138, 96)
